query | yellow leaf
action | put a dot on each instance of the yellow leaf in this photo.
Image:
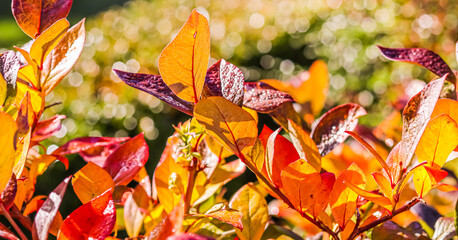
(384, 185)
(255, 213)
(183, 63)
(27, 73)
(36, 98)
(448, 106)
(422, 181)
(8, 129)
(227, 123)
(438, 140)
(46, 42)
(91, 181)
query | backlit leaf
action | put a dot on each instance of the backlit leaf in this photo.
(47, 128)
(170, 225)
(9, 193)
(447, 106)
(422, 182)
(416, 116)
(423, 57)
(263, 98)
(93, 220)
(37, 98)
(226, 80)
(8, 129)
(154, 85)
(63, 57)
(91, 181)
(227, 123)
(35, 16)
(330, 129)
(183, 63)
(373, 197)
(305, 146)
(9, 67)
(135, 210)
(48, 211)
(383, 184)
(438, 140)
(286, 112)
(127, 160)
(395, 163)
(251, 203)
(230, 216)
(321, 196)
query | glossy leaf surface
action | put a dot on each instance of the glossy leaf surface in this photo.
(263, 98)
(47, 128)
(183, 63)
(35, 16)
(93, 220)
(154, 85)
(91, 181)
(227, 124)
(226, 80)
(330, 129)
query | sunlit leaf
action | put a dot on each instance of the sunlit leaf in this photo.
(422, 182)
(226, 80)
(330, 129)
(39, 165)
(395, 163)
(8, 129)
(91, 181)
(373, 197)
(154, 85)
(183, 63)
(423, 57)
(135, 210)
(263, 98)
(48, 211)
(9, 193)
(230, 216)
(127, 160)
(93, 220)
(438, 140)
(227, 124)
(251, 203)
(9, 67)
(63, 57)
(37, 98)
(47, 128)
(383, 184)
(416, 116)
(447, 106)
(189, 236)
(35, 16)
(286, 112)
(170, 225)
(305, 146)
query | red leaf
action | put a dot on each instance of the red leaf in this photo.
(330, 129)
(5, 233)
(416, 116)
(423, 57)
(48, 211)
(93, 220)
(437, 173)
(47, 128)
(35, 16)
(226, 80)
(127, 160)
(189, 236)
(154, 85)
(263, 98)
(9, 193)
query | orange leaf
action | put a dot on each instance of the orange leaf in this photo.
(305, 146)
(227, 123)
(373, 197)
(233, 217)
(46, 42)
(183, 63)
(448, 106)
(8, 129)
(438, 141)
(384, 185)
(445, 187)
(91, 181)
(436, 173)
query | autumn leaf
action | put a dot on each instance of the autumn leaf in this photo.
(438, 140)
(447, 106)
(330, 129)
(263, 98)
(384, 185)
(423, 57)
(227, 124)
(305, 146)
(170, 225)
(135, 210)
(48, 211)
(91, 181)
(395, 164)
(373, 197)
(8, 129)
(9, 193)
(230, 216)
(127, 160)
(226, 80)
(183, 63)
(47, 128)
(416, 116)
(251, 203)
(93, 220)
(154, 85)
(9, 67)
(421, 181)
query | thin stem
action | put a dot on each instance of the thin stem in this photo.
(191, 181)
(373, 224)
(13, 223)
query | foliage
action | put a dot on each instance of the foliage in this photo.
(320, 183)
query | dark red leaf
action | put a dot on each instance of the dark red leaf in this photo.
(154, 85)
(47, 128)
(226, 80)
(5, 233)
(330, 129)
(9, 193)
(98, 155)
(416, 116)
(86, 143)
(263, 98)
(48, 211)
(93, 220)
(9, 67)
(127, 160)
(35, 16)
(423, 57)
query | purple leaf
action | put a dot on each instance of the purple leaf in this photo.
(416, 116)
(226, 80)
(421, 56)
(9, 67)
(330, 128)
(154, 85)
(48, 211)
(263, 98)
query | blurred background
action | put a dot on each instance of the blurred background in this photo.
(266, 39)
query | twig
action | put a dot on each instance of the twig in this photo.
(52, 105)
(13, 223)
(191, 181)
